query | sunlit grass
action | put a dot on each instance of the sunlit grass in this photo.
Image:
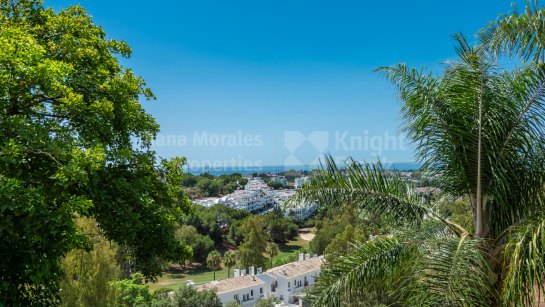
(204, 275)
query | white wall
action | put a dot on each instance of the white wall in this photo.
(284, 292)
(229, 296)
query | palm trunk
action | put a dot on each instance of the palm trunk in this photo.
(480, 215)
(214, 275)
(482, 225)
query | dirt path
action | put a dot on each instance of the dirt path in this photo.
(307, 234)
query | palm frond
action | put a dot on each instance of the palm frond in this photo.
(475, 115)
(520, 34)
(368, 186)
(454, 273)
(525, 264)
(350, 278)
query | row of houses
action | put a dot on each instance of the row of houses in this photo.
(287, 283)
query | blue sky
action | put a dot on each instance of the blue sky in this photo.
(254, 83)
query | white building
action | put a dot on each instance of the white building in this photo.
(300, 181)
(287, 283)
(249, 200)
(245, 290)
(207, 202)
(280, 179)
(255, 197)
(256, 184)
(302, 211)
(281, 196)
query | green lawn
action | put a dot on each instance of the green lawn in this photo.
(290, 249)
(203, 275)
(198, 276)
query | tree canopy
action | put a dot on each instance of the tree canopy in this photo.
(74, 141)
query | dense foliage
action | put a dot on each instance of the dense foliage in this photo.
(74, 141)
(280, 228)
(132, 293)
(214, 221)
(88, 272)
(255, 242)
(206, 185)
(201, 245)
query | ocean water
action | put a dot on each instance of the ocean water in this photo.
(216, 171)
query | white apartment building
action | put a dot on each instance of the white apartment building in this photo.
(245, 290)
(207, 202)
(280, 179)
(255, 196)
(300, 181)
(281, 196)
(249, 200)
(256, 184)
(287, 282)
(300, 211)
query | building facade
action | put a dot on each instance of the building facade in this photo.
(287, 282)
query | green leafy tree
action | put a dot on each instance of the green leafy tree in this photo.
(235, 235)
(229, 260)
(479, 133)
(88, 272)
(331, 225)
(131, 292)
(213, 262)
(201, 245)
(272, 250)
(215, 221)
(74, 141)
(255, 242)
(342, 244)
(281, 229)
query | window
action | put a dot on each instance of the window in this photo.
(288, 284)
(252, 292)
(261, 290)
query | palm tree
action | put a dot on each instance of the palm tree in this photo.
(272, 250)
(213, 261)
(479, 132)
(517, 33)
(229, 260)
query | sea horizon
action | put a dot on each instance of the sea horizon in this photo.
(245, 170)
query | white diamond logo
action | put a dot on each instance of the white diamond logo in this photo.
(319, 139)
(293, 139)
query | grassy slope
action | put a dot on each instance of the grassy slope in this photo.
(203, 275)
(291, 248)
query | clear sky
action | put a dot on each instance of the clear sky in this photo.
(281, 82)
